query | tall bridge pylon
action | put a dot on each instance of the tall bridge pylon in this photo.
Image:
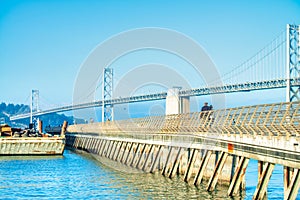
(292, 61)
(107, 94)
(34, 106)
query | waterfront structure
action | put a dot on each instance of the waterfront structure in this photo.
(39, 144)
(215, 146)
(208, 148)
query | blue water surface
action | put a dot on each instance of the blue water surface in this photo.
(80, 176)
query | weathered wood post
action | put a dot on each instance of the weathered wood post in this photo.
(64, 129)
(40, 126)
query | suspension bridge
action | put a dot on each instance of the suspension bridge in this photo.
(274, 66)
(210, 147)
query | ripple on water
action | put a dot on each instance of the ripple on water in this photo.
(80, 176)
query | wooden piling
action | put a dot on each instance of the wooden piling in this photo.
(174, 168)
(128, 154)
(99, 146)
(120, 151)
(292, 190)
(112, 149)
(124, 152)
(63, 128)
(219, 166)
(190, 165)
(165, 167)
(141, 157)
(117, 150)
(135, 154)
(262, 184)
(286, 177)
(103, 148)
(155, 162)
(238, 176)
(202, 167)
(146, 162)
(40, 126)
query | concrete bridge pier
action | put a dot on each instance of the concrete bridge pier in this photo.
(175, 104)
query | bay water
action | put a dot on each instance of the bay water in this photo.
(77, 175)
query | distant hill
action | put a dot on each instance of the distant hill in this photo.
(50, 119)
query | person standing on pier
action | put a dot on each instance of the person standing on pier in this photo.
(205, 107)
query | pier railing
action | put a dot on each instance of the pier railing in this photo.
(280, 119)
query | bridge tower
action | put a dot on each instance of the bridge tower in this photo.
(175, 104)
(107, 92)
(34, 106)
(292, 61)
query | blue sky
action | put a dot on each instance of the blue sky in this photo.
(44, 42)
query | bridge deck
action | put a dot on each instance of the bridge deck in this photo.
(219, 89)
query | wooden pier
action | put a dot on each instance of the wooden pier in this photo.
(205, 148)
(10, 146)
(18, 145)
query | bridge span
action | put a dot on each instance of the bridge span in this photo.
(210, 90)
(277, 65)
(204, 148)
